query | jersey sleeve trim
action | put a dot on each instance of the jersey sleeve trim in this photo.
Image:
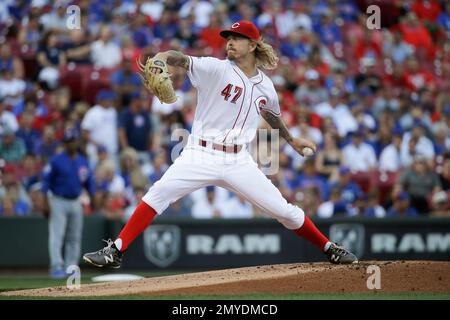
(191, 72)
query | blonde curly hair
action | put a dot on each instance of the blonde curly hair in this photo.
(266, 57)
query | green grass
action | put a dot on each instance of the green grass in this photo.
(41, 280)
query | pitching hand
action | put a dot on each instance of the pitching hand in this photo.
(300, 143)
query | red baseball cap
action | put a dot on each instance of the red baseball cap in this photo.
(243, 28)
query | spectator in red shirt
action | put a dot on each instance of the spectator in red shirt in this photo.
(427, 10)
(367, 47)
(415, 33)
(416, 77)
(210, 34)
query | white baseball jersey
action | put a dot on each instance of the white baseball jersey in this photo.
(228, 108)
(229, 102)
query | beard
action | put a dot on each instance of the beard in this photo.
(231, 55)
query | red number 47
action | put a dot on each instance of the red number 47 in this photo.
(226, 92)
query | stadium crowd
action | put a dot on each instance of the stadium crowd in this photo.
(375, 101)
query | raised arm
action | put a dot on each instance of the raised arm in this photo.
(277, 123)
(174, 58)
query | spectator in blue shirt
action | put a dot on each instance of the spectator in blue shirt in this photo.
(64, 178)
(134, 125)
(328, 31)
(309, 178)
(402, 207)
(124, 81)
(349, 190)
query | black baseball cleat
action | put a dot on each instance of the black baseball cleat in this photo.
(339, 255)
(109, 256)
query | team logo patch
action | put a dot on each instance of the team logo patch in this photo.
(349, 235)
(261, 102)
(162, 244)
(235, 25)
(83, 173)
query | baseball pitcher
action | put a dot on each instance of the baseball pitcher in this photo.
(232, 94)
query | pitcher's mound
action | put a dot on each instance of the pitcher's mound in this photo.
(396, 276)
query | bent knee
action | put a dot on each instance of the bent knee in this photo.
(292, 218)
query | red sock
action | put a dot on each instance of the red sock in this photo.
(310, 232)
(141, 218)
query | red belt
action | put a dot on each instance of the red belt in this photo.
(221, 147)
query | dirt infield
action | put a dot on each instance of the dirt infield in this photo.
(396, 276)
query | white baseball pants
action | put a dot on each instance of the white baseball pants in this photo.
(198, 167)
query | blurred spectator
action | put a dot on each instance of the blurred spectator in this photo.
(125, 82)
(423, 146)
(309, 178)
(305, 130)
(8, 121)
(293, 47)
(329, 159)
(10, 62)
(426, 10)
(12, 148)
(50, 57)
(153, 9)
(110, 195)
(100, 124)
(130, 169)
(166, 28)
(335, 206)
(402, 207)
(236, 207)
(327, 29)
(29, 34)
(180, 208)
(416, 76)
(186, 34)
(368, 77)
(141, 34)
(200, 9)
(311, 93)
(77, 49)
(348, 190)
(135, 127)
(14, 200)
(208, 208)
(415, 33)
(48, 145)
(390, 157)
(396, 48)
(443, 19)
(56, 19)
(210, 35)
(444, 176)
(27, 133)
(11, 88)
(337, 109)
(359, 156)
(440, 204)
(367, 47)
(159, 165)
(309, 199)
(104, 52)
(419, 181)
(373, 209)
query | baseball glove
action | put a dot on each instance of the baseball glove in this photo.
(155, 77)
